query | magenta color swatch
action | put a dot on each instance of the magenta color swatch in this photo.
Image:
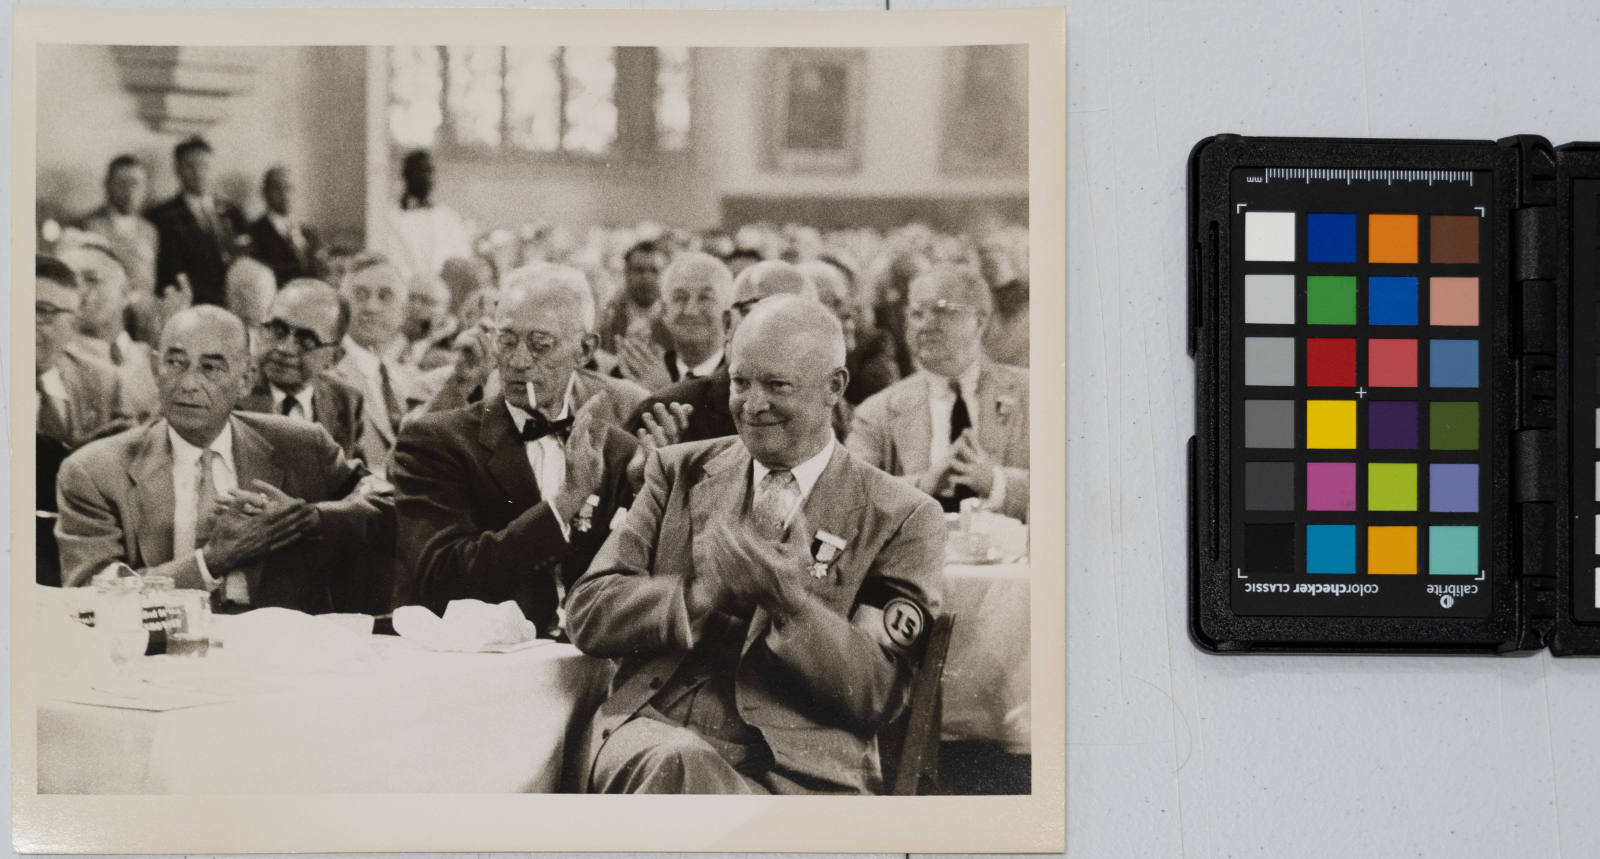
(1330, 486)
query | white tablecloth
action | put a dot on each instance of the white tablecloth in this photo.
(986, 678)
(400, 720)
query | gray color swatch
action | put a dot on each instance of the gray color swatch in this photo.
(1269, 361)
(1269, 423)
(1269, 485)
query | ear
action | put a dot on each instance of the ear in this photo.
(838, 380)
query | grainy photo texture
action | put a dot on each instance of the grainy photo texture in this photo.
(532, 418)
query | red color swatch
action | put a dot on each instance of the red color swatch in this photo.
(1331, 362)
(1392, 363)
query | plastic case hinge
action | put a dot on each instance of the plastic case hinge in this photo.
(1536, 392)
(1536, 247)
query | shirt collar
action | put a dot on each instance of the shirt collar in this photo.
(939, 386)
(51, 383)
(302, 396)
(520, 416)
(186, 454)
(282, 223)
(702, 369)
(805, 474)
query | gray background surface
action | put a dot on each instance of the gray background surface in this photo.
(1174, 752)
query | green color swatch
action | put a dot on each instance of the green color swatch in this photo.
(1391, 486)
(1453, 426)
(1330, 300)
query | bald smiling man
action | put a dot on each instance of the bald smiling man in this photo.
(261, 510)
(766, 593)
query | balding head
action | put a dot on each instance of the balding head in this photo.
(832, 289)
(204, 369)
(764, 280)
(786, 373)
(545, 332)
(250, 287)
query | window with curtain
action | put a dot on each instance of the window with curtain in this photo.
(581, 101)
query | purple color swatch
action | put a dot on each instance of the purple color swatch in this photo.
(1391, 425)
(1330, 486)
(1453, 488)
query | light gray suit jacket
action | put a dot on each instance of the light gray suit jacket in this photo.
(893, 430)
(116, 502)
(820, 685)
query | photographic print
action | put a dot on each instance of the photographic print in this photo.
(540, 407)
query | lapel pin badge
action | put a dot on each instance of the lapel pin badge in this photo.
(825, 549)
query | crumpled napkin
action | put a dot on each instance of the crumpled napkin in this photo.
(468, 626)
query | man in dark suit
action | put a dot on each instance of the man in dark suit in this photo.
(707, 396)
(766, 593)
(260, 510)
(298, 343)
(198, 234)
(511, 498)
(696, 290)
(277, 238)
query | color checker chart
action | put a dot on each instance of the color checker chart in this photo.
(1360, 391)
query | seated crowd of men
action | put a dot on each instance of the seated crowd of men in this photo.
(690, 478)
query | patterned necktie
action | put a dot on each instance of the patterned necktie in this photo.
(205, 498)
(287, 408)
(775, 500)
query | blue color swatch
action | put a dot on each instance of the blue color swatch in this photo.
(1453, 363)
(1391, 301)
(1331, 549)
(1330, 238)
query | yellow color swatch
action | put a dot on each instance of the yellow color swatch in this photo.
(1392, 550)
(1392, 238)
(1331, 424)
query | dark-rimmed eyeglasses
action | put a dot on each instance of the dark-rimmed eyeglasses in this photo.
(743, 307)
(304, 338)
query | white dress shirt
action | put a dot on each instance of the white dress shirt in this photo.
(418, 241)
(204, 210)
(302, 400)
(700, 370)
(289, 230)
(941, 403)
(548, 460)
(805, 474)
(186, 515)
(55, 391)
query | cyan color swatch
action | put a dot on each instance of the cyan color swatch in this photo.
(1331, 549)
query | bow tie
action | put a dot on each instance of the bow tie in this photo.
(539, 426)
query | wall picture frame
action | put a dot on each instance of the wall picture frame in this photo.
(814, 124)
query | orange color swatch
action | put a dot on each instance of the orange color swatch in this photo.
(1392, 238)
(1392, 550)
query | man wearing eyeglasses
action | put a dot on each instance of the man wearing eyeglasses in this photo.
(75, 395)
(511, 497)
(257, 509)
(958, 427)
(377, 295)
(294, 348)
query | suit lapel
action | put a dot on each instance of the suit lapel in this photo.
(258, 400)
(995, 430)
(325, 410)
(910, 428)
(722, 489)
(508, 456)
(149, 518)
(254, 458)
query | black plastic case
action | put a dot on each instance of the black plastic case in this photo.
(1540, 261)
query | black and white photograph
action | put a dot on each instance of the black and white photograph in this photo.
(540, 405)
